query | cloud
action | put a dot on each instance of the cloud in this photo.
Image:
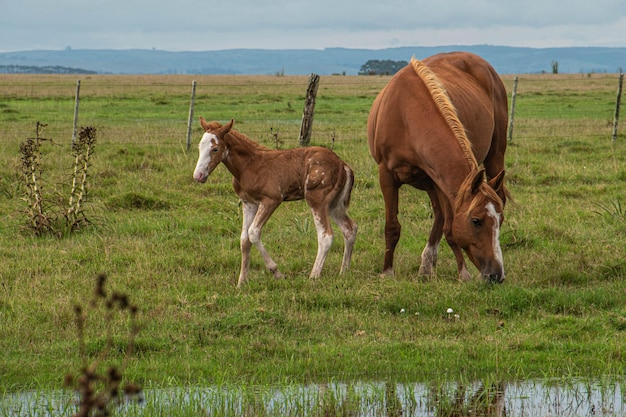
(280, 24)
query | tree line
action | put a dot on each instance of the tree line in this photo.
(382, 67)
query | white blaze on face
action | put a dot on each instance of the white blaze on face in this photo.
(208, 142)
(497, 251)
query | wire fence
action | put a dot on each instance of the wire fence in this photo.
(157, 109)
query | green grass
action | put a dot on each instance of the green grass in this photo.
(173, 245)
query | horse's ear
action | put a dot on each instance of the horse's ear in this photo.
(204, 123)
(479, 178)
(226, 128)
(497, 182)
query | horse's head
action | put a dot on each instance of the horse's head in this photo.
(212, 148)
(477, 220)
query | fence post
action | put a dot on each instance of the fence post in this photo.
(617, 105)
(189, 120)
(76, 102)
(512, 115)
(309, 108)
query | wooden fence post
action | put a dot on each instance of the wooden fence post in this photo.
(190, 119)
(512, 114)
(617, 105)
(76, 102)
(309, 108)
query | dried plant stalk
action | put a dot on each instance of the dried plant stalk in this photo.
(82, 150)
(99, 391)
(31, 170)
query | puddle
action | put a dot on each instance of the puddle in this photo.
(527, 399)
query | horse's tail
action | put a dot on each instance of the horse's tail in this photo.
(342, 201)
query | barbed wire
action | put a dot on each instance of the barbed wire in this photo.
(277, 105)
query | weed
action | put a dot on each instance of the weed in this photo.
(611, 212)
(303, 225)
(82, 150)
(42, 219)
(100, 391)
(278, 143)
(39, 220)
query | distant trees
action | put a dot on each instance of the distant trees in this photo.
(555, 67)
(381, 67)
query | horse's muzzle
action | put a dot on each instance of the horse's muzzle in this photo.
(494, 278)
(200, 177)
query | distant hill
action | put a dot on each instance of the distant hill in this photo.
(56, 69)
(506, 60)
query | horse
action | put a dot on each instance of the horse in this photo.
(263, 178)
(440, 126)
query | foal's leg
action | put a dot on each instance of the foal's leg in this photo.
(348, 228)
(266, 208)
(249, 211)
(429, 254)
(324, 239)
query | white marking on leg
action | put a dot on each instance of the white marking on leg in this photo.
(429, 259)
(349, 230)
(497, 250)
(255, 237)
(464, 274)
(324, 242)
(249, 210)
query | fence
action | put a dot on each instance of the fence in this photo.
(158, 110)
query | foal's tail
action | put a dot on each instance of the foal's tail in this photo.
(342, 202)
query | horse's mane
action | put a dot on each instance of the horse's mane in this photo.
(485, 192)
(240, 136)
(442, 100)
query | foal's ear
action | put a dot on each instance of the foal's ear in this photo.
(226, 128)
(479, 178)
(209, 125)
(204, 123)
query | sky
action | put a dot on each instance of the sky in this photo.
(193, 25)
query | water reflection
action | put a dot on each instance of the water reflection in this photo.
(527, 399)
(487, 400)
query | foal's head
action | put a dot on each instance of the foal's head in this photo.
(477, 220)
(212, 148)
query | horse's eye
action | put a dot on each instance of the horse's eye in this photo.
(214, 150)
(477, 222)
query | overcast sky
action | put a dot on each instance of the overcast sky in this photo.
(193, 25)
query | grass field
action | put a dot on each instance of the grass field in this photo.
(172, 245)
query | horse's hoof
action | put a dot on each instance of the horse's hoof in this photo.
(387, 273)
(465, 276)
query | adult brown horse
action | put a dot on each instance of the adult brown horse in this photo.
(440, 125)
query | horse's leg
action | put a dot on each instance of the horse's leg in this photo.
(389, 188)
(324, 239)
(249, 211)
(429, 254)
(444, 204)
(339, 213)
(348, 229)
(266, 208)
(464, 274)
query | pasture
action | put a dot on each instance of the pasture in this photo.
(172, 244)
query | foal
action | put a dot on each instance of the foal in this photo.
(264, 178)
